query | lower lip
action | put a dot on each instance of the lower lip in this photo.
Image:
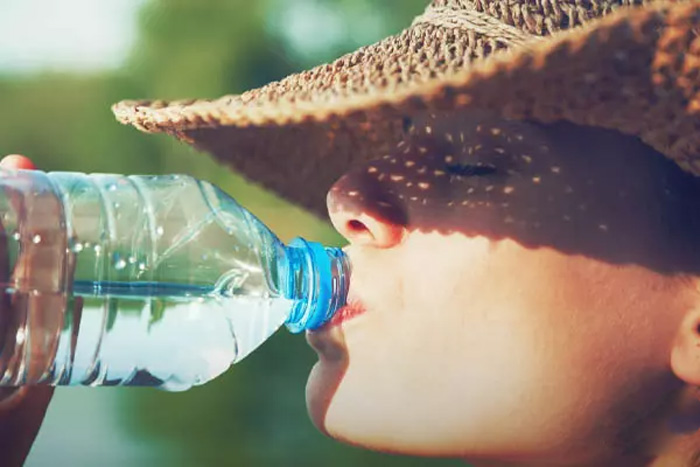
(346, 313)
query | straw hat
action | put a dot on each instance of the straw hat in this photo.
(616, 64)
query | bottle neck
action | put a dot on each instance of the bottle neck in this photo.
(317, 280)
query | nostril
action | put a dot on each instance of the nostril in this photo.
(363, 229)
(356, 226)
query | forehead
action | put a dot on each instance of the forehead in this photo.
(488, 137)
(462, 128)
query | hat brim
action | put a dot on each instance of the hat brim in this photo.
(636, 71)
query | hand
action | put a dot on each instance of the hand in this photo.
(21, 409)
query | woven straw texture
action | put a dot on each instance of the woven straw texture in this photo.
(595, 63)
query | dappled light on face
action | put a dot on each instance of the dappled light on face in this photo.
(575, 189)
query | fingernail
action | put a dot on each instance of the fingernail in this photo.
(17, 161)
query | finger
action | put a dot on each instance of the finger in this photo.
(22, 412)
(21, 409)
(16, 161)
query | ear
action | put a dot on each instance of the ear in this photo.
(685, 364)
(685, 354)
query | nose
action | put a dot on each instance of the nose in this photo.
(365, 214)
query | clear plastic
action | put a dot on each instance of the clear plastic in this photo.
(159, 281)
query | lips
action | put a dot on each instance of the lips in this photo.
(329, 341)
(353, 308)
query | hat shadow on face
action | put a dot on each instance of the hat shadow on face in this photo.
(580, 190)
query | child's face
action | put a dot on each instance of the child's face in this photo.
(521, 310)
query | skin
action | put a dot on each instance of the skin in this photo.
(539, 310)
(21, 409)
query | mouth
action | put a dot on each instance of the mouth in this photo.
(352, 309)
(328, 340)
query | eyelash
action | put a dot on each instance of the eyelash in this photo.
(470, 170)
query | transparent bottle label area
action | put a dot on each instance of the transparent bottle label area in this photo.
(172, 341)
(162, 282)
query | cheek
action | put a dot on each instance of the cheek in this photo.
(442, 363)
(484, 346)
(441, 383)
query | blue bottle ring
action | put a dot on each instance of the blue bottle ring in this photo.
(320, 293)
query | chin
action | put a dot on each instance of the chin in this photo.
(318, 397)
(325, 377)
(373, 427)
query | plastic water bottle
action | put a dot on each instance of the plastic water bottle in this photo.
(158, 281)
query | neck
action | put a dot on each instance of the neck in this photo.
(679, 450)
(673, 442)
(678, 442)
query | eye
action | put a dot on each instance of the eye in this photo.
(471, 170)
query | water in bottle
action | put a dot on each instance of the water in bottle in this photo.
(160, 281)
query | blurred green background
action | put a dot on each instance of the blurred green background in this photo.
(62, 64)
